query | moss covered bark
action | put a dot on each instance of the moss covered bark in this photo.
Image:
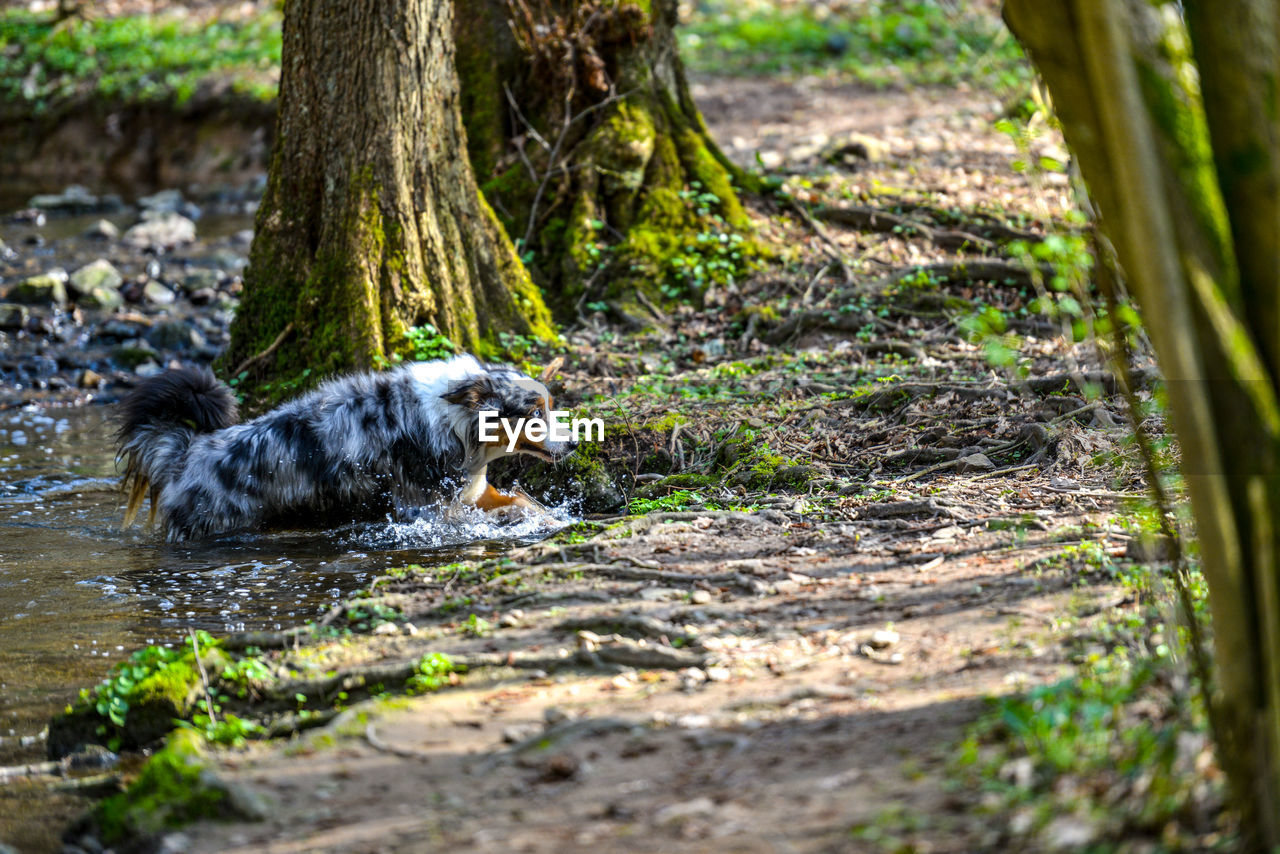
(603, 168)
(1188, 198)
(372, 221)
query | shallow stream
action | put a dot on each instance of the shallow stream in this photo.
(78, 593)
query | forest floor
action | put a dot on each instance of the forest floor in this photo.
(848, 531)
(870, 488)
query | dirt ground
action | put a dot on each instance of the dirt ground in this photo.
(771, 679)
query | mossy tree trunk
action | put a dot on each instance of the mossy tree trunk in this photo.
(588, 144)
(372, 221)
(1176, 129)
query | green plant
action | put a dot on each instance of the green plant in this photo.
(435, 670)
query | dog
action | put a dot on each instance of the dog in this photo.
(359, 446)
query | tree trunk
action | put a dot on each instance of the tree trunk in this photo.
(587, 142)
(1189, 200)
(372, 221)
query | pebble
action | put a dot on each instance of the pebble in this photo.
(76, 200)
(148, 369)
(161, 231)
(883, 639)
(554, 715)
(386, 629)
(46, 289)
(13, 316)
(101, 273)
(89, 379)
(198, 280)
(718, 674)
(700, 597)
(103, 229)
(157, 294)
(203, 296)
(174, 335)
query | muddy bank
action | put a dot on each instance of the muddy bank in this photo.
(217, 142)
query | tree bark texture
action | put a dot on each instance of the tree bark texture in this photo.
(1186, 189)
(587, 142)
(372, 221)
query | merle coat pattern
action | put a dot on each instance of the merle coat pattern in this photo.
(363, 445)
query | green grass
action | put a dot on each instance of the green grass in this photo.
(886, 43)
(134, 59)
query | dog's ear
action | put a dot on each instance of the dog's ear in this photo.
(475, 394)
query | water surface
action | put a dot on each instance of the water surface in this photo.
(78, 593)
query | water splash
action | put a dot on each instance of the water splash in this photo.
(436, 527)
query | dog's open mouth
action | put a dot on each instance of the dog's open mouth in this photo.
(539, 453)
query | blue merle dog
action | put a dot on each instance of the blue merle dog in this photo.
(358, 447)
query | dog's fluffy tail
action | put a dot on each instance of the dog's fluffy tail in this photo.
(156, 423)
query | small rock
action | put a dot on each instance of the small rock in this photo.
(203, 296)
(47, 289)
(700, 597)
(718, 674)
(554, 715)
(883, 639)
(198, 280)
(975, 463)
(13, 316)
(157, 294)
(40, 367)
(148, 369)
(386, 629)
(174, 335)
(162, 231)
(103, 298)
(508, 621)
(103, 229)
(100, 274)
(165, 201)
(517, 733)
(76, 200)
(89, 379)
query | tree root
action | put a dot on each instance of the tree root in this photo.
(632, 624)
(871, 219)
(638, 573)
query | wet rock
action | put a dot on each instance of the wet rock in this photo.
(40, 325)
(46, 289)
(131, 354)
(203, 296)
(39, 367)
(174, 335)
(198, 280)
(157, 294)
(169, 201)
(13, 316)
(161, 231)
(90, 379)
(104, 298)
(120, 330)
(76, 200)
(7, 254)
(101, 230)
(28, 216)
(148, 369)
(100, 274)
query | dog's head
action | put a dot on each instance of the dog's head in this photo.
(509, 409)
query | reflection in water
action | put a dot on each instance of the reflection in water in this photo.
(77, 593)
